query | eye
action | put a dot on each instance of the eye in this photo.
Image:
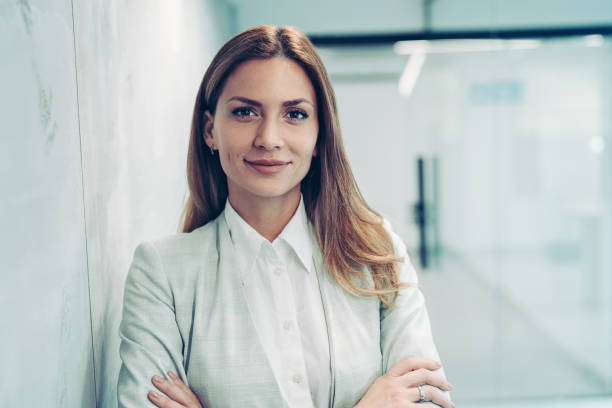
(243, 112)
(297, 114)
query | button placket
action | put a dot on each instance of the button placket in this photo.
(293, 369)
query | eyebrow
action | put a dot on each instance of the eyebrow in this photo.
(255, 103)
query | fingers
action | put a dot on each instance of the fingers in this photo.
(161, 401)
(432, 394)
(413, 363)
(423, 376)
(172, 390)
(178, 394)
(179, 382)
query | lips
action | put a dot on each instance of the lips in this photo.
(267, 167)
(267, 162)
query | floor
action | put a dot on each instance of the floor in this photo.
(603, 402)
(503, 349)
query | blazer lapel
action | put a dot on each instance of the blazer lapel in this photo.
(253, 314)
(326, 289)
(256, 314)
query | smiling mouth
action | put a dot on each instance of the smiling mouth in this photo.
(267, 167)
(267, 162)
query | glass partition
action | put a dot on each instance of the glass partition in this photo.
(515, 211)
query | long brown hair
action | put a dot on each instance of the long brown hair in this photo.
(350, 233)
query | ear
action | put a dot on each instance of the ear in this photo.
(208, 128)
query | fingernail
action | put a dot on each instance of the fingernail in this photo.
(449, 385)
(156, 379)
(154, 395)
(172, 375)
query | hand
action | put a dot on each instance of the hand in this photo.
(180, 394)
(398, 387)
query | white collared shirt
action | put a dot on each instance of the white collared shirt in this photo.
(280, 276)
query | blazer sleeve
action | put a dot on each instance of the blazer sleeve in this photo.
(150, 339)
(404, 329)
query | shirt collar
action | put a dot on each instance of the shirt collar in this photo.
(298, 235)
(249, 242)
(246, 240)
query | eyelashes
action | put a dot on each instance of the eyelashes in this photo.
(299, 114)
(246, 112)
(243, 111)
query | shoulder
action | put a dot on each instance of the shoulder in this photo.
(177, 254)
(398, 243)
(186, 243)
(407, 272)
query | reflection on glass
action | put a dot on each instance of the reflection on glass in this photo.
(520, 132)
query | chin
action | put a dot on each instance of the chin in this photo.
(271, 191)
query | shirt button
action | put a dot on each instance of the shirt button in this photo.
(277, 271)
(287, 324)
(297, 378)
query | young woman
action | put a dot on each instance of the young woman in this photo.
(285, 288)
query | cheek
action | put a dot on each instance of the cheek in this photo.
(310, 147)
(233, 145)
(228, 153)
(231, 157)
(304, 139)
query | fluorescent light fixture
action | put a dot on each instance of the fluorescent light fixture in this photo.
(419, 49)
(411, 73)
(595, 40)
(454, 46)
(409, 47)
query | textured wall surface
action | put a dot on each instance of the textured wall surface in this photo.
(44, 298)
(139, 66)
(95, 110)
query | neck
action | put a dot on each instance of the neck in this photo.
(267, 216)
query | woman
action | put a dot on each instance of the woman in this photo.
(285, 288)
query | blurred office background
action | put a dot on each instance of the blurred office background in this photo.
(480, 128)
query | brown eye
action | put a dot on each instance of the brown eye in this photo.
(243, 111)
(297, 114)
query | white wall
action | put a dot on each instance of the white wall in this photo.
(93, 153)
(44, 301)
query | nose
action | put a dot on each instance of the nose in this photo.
(268, 135)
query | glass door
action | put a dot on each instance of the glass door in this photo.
(515, 154)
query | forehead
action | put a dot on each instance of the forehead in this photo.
(278, 78)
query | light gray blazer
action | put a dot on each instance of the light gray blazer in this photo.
(185, 310)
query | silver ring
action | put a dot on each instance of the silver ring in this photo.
(421, 393)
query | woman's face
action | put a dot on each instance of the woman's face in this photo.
(265, 128)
